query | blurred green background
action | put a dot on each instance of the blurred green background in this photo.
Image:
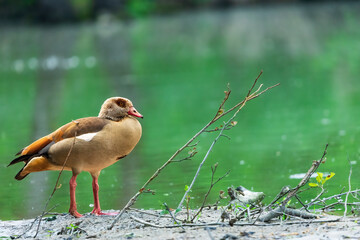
(175, 67)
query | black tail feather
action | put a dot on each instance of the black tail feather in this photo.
(19, 152)
(18, 177)
(24, 158)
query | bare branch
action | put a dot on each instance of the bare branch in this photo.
(172, 216)
(315, 199)
(347, 195)
(307, 176)
(198, 170)
(237, 224)
(279, 211)
(149, 213)
(187, 144)
(227, 94)
(56, 185)
(252, 87)
(285, 190)
(250, 98)
(209, 233)
(212, 184)
(292, 192)
(193, 145)
(336, 196)
(247, 98)
(299, 200)
(189, 157)
(34, 221)
(145, 222)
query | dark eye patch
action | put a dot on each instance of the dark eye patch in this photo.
(120, 102)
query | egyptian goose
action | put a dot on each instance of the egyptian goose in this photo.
(87, 144)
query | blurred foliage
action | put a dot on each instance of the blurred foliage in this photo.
(139, 8)
(82, 8)
(44, 11)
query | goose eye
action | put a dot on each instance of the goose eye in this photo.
(121, 102)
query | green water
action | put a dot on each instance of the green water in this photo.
(175, 69)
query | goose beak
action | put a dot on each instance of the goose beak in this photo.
(132, 111)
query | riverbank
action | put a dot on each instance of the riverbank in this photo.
(135, 225)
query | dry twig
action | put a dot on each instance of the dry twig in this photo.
(56, 185)
(220, 113)
(226, 125)
(237, 223)
(347, 195)
(315, 199)
(149, 213)
(291, 193)
(307, 176)
(336, 196)
(198, 170)
(172, 216)
(145, 222)
(212, 184)
(50, 197)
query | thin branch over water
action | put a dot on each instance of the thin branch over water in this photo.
(219, 114)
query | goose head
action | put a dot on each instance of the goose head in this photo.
(116, 108)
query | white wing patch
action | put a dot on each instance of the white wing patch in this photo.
(87, 137)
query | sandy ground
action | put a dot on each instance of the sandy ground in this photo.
(95, 227)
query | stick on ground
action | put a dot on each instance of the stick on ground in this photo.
(291, 193)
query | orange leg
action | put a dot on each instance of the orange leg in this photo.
(97, 210)
(73, 210)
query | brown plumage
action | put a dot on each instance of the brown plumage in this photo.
(94, 143)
